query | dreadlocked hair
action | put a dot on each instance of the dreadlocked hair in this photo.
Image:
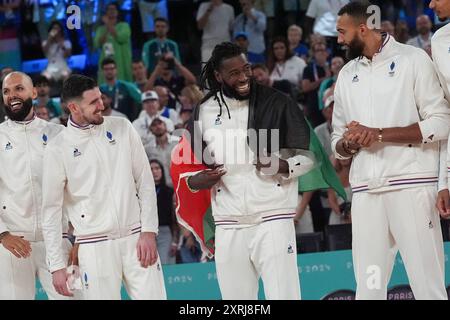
(208, 81)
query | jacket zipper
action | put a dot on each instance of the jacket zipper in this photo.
(93, 137)
(30, 176)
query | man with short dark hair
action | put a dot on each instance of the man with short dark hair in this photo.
(97, 171)
(126, 96)
(389, 116)
(139, 74)
(155, 49)
(43, 99)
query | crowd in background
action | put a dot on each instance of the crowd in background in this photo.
(147, 56)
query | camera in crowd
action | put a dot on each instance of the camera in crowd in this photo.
(169, 60)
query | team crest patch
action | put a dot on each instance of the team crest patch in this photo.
(85, 278)
(355, 78)
(392, 68)
(110, 137)
(44, 139)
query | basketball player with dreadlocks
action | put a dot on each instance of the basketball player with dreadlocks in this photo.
(253, 200)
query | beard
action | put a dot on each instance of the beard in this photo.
(355, 49)
(20, 114)
(230, 92)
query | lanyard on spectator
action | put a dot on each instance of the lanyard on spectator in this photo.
(280, 70)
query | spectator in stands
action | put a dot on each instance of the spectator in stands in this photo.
(423, 39)
(139, 74)
(164, 110)
(314, 74)
(262, 76)
(401, 31)
(157, 48)
(294, 35)
(114, 40)
(341, 212)
(268, 8)
(170, 73)
(253, 22)
(126, 96)
(150, 104)
(42, 113)
(108, 110)
(185, 115)
(388, 27)
(168, 229)
(56, 49)
(43, 99)
(283, 64)
(323, 131)
(47, 11)
(290, 11)
(190, 251)
(151, 11)
(324, 15)
(215, 19)
(303, 217)
(241, 39)
(336, 65)
(4, 71)
(163, 145)
(190, 96)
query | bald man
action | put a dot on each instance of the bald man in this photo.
(423, 39)
(23, 139)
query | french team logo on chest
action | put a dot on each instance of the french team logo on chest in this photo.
(392, 69)
(44, 139)
(109, 135)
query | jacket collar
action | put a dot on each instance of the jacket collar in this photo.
(30, 124)
(383, 51)
(77, 129)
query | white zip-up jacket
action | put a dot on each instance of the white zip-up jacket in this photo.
(101, 176)
(22, 146)
(440, 47)
(244, 196)
(398, 88)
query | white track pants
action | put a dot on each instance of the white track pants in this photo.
(18, 276)
(267, 250)
(104, 265)
(405, 220)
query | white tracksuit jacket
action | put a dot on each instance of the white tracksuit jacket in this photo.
(101, 176)
(440, 47)
(245, 196)
(398, 88)
(22, 146)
